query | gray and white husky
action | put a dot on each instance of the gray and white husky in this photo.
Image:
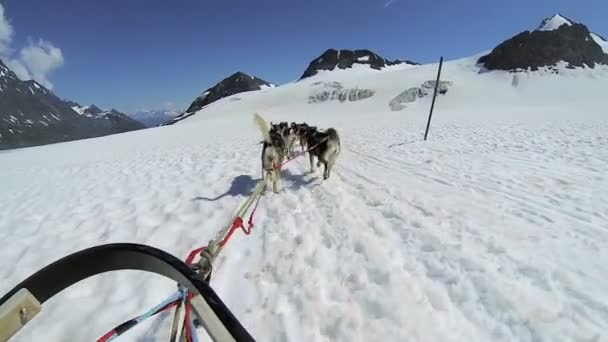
(274, 151)
(323, 145)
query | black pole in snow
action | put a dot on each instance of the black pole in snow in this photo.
(428, 124)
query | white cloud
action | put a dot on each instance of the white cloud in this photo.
(6, 32)
(34, 61)
(388, 3)
(41, 58)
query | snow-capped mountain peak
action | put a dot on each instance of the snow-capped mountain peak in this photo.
(558, 39)
(238, 82)
(554, 22)
(333, 59)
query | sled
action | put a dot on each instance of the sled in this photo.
(25, 301)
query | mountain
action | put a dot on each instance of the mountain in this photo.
(557, 39)
(118, 121)
(153, 118)
(31, 115)
(238, 82)
(343, 59)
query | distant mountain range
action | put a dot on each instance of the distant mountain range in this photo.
(153, 118)
(31, 115)
(240, 82)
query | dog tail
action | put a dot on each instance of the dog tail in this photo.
(263, 126)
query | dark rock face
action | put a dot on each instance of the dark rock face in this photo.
(32, 115)
(532, 50)
(343, 59)
(238, 82)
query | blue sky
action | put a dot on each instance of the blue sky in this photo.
(131, 54)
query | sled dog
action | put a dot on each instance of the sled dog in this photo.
(325, 146)
(274, 151)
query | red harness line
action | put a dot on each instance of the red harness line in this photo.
(237, 223)
(299, 154)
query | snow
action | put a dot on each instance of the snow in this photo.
(363, 59)
(554, 23)
(492, 230)
(31, 90)
(601, 42)
(55, 116)
(80, 110)
(36, 85)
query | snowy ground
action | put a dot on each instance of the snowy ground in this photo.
(493, 230)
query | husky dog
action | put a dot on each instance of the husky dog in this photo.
(292, 137)
(300, 133)
(305, 133)
(323, 145)
(273, 151)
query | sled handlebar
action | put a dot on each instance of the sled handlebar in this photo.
(24, 301)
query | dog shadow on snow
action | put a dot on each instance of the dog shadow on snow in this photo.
(244, 185)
